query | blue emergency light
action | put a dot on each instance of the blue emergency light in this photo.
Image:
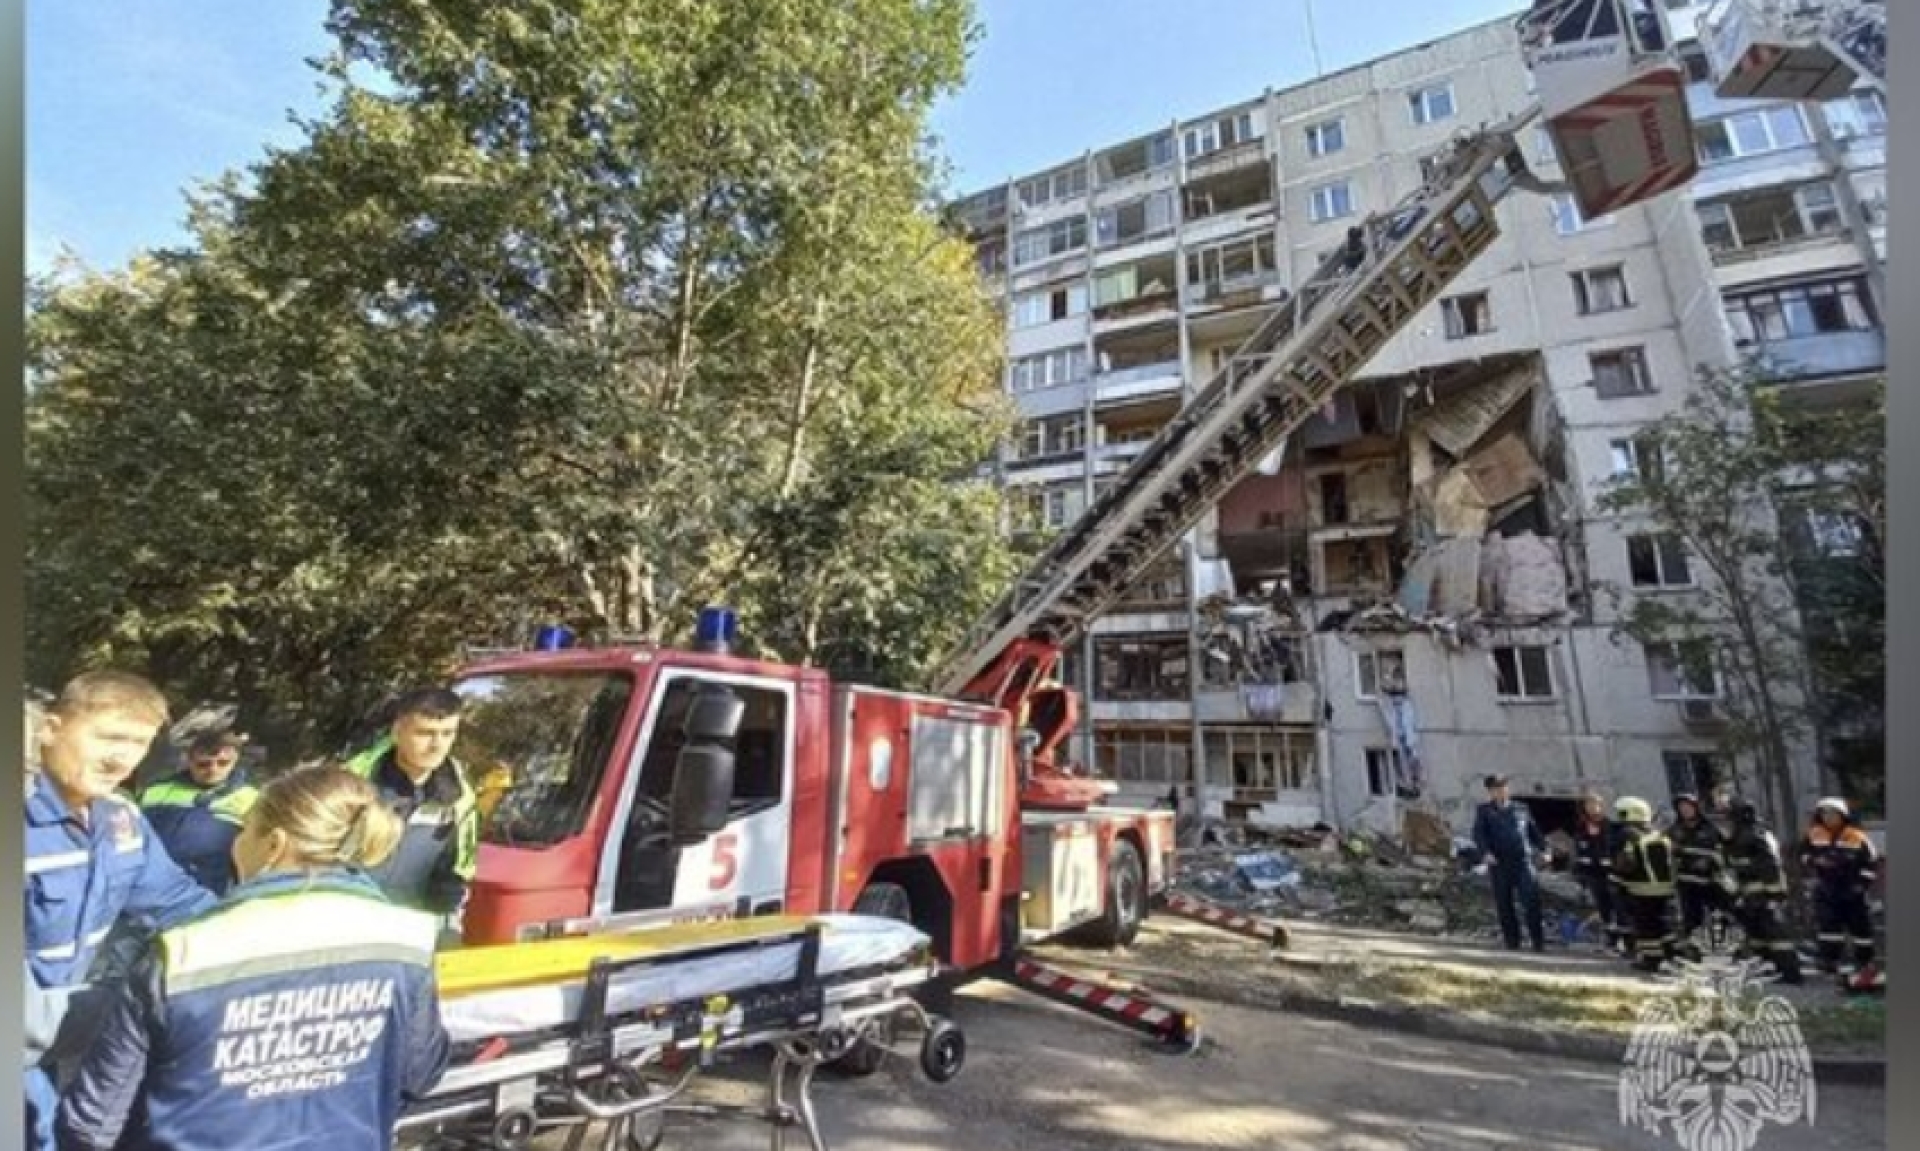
(717, 630)
(553, 637)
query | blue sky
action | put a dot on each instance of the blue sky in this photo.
(132, 102)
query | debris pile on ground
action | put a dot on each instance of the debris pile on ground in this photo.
(1354, 879)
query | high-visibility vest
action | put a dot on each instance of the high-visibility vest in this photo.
(1644, 866)
(429, 826)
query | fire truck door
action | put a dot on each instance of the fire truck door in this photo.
(743, 869)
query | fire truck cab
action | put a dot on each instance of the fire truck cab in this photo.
(651, 785)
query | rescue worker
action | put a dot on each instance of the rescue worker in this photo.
(1702, 870)
(1760, 886)
(91, 858)
(198, 812)
(1643, 869)
(1595, 839)
(1843, 864)
(1509, 840)
(414, 771)
(301, 1013)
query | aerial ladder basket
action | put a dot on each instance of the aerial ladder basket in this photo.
(1614, 95)
(1795, 49)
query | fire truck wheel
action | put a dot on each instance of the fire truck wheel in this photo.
(884, 901)
(1126, 899)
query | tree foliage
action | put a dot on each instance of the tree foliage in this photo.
(587, 310)
(1739, 474)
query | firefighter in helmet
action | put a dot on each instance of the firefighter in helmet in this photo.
(1844, 865)
(1643, 873)
(1760, 886)
(1701, 867)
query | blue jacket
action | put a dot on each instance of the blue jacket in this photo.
(1508, 835)
(81, 880)
(299, 1015)
(199, 824)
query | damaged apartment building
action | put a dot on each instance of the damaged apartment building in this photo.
(1413, 592)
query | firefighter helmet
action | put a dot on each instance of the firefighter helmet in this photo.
(1631, 810)
(1837, 806)
(1686, 797)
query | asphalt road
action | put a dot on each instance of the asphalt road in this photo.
(1043, 1077)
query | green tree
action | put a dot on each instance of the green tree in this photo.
(589, 310)
(1732, 474)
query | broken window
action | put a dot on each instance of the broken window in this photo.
(1061, 302)
(1375, 672)
(1215, 135)
(1333, 498)
(1658, 560)
(1129, 223)
(1383, 767)
(1772, 216)
(1332, 201)
(1048, 370)
(1620, 373)
(1431, 105)
(1326, 138)
(1142, 667)
(1800, 310)
(1150, 755)
(1598, 290)
(1639, 458)
(1063, 184)
(1699, 773)
(1859, 114)
(1523, 672)
(1567, 220)
(1682, 670)
(990, 257)
(1467, 315)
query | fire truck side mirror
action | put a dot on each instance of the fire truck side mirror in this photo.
(703, 777)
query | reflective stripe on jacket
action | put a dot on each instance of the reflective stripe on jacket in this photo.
(438, 852)
(199, 824)
(301, 1014)
(1644, 866)
(82, 878)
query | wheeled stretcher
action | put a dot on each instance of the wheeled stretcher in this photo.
(606, 1033)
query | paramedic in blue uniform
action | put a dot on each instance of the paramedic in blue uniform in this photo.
(198, 812)
(300, 1014)
(91, 858)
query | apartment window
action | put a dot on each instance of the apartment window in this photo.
(1332, 201)
(1694, 59)
(1772, 216)
(1378, 671)
(1860, 114)
(1749, 134)
(1064, 184)
(1326, 138)
(1638, 459)
(1682, 670)
(1431, 105)
(1159, 756)
(1062, 435)
(1141, 219)
(1467, 315)
(1600, 290)
(1383, 768)
(1256, 762)
(1523, 672)
(1050, 240)
(1658, 560)
(1049, 369)
(1214, 135)
(1031, 309)
(1567, 220)
(1619, 373)
(1700, 773)
(1800, 310)
(1141, 667)
(1225, 267)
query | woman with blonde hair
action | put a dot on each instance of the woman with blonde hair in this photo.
(300, 1013)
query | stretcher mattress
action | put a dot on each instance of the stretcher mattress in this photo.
(515, 990)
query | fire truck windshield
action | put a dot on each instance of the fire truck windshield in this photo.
(535, 746)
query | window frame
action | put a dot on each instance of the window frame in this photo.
(1318, 134)
(1670, 654)
(1634, 358)
(1520, 677)
(1370, 661)
(1420, 104)
(1315, 207)
(1584, 296)
(1666, 551)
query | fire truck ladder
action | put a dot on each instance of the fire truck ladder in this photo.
(1394, 265)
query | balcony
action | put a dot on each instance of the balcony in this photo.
(1142, 380)
(1300, 705)
(1235, 291)
(1824, 356)
(1246, 154)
